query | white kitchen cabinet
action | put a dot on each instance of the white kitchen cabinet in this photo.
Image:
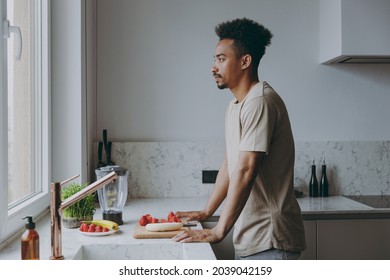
(353, 31)
(360, 239)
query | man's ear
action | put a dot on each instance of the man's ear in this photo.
(246, 61)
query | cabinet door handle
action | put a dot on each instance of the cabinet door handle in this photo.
(8, 29)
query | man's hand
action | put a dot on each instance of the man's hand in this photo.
(198, 235)
(192, 215)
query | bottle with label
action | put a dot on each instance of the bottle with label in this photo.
(30, 241)
(313, 184)
(324, 185)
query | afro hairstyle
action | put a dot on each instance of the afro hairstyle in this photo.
(249, 37)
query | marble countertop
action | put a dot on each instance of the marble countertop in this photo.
(72, 239)
(336, 207)
(339, 207)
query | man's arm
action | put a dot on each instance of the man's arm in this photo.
(239, 188)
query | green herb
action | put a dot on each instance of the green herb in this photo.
(82, 208)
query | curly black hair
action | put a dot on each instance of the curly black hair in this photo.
(249, 37)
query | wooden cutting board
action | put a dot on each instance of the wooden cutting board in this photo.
(141, 233)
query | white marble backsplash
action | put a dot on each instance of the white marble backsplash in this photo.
(174, 169)
(354, 168)
(167, 169)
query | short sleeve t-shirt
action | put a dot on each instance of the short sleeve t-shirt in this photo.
(271, 217)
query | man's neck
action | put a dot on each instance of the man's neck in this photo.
(242, 90)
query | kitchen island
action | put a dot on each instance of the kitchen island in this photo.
(317, 213)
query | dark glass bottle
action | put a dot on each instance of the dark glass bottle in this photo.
(324, 185)
(313, 184)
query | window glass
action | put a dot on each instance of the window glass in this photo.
(24, 112)
(20, 96)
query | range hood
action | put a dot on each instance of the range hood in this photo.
(360, 59)
(354, 31)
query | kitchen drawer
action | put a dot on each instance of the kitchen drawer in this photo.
(360, 239)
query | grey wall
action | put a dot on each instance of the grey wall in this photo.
(68, 91)
(153, 79)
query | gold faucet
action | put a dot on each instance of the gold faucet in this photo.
(57, 207)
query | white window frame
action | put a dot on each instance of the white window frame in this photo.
(11, 218)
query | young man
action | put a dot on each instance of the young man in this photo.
(257, 174)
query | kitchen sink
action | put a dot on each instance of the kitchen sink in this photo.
(141, 251)
(223, 250)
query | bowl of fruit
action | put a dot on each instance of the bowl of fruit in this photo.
(98, 228)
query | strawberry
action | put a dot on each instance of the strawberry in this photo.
(149, 218)
(170, 215)
(143, 221)
(99, 228)
(84, 227)
(174, 219)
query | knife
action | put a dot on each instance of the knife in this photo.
(190, 225)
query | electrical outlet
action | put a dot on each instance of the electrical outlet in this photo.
(209, 176)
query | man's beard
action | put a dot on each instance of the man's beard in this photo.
(221, 86)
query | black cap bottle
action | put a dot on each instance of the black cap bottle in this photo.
(313, 184)
(324, 185)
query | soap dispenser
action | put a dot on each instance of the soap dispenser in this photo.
(30, 241)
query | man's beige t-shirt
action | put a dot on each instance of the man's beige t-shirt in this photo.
(271, 217)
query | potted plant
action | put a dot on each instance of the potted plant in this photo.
(82, 210)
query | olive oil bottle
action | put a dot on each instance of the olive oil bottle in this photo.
(313, 184)
(324, 185)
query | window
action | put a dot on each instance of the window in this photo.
(24, 112)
